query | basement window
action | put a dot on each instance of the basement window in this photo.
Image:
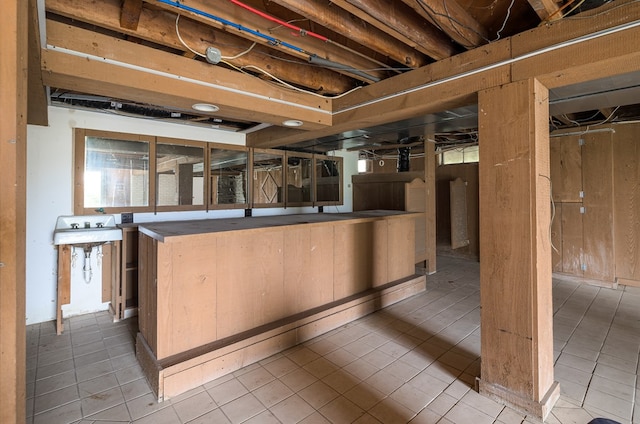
(457, 155)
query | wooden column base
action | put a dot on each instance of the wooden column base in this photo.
(529, 406)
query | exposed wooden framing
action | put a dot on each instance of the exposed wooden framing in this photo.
(545, 9)
(230, 12)
(102, 78)
(399, 21)
(130, 14)
(37, 113)
(452, 19)
(159, 27)
(613, 54)
(340, 21)
(63, 288)
(515, 276)
(14, 22)
(607, 16)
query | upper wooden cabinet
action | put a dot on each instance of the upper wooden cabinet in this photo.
(117, 172)
(328, 180)
(228, 170)
(299, 179)
(267, 178)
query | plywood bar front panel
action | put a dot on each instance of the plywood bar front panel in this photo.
(353, 258)
(308, 264)
(204, 282)
(250, 280)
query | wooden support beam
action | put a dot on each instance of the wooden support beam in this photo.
(37, 104)
(14, 23)
(515, 246)
(159, 27)
(130, 14)
(149, 79)
(401, 22)
(430, 164)
(342, 22)
(452, 19)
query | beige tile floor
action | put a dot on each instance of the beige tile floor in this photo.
(413, 362)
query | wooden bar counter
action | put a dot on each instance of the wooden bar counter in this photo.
(216, 295)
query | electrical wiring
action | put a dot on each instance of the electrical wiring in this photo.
(505, 21)
(603, 12)
(202, 55)
(226, 58)
(430, 11)
(575, 7)
(241, 53)
(286, 84)
(303, 32)
(182, 41)
(271, 40)
(268, 17)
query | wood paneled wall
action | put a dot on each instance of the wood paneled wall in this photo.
(596, 187)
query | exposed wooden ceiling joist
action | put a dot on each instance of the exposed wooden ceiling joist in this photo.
(130, 16)
(304, 46)
(341, 21)
(452, 19)
(403, 24)
(546, 9)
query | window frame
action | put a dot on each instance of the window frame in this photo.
(80, 135)
(205, 156)
(310, 156)
(225, 206)
(339, 160)
(281, 154)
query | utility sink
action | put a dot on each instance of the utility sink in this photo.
(86, 229)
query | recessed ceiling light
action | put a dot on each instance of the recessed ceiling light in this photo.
(205, 107)
(292, 123)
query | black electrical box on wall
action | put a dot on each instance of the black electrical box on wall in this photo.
(126, 217)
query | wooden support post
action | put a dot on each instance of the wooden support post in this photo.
(64, 284)
(430, 211)
(13, 142)
(515, 248)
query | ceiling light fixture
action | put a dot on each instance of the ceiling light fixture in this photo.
(292, 123)
(205, 107)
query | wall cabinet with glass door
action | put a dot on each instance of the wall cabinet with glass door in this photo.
(299, 179)
(267, 178)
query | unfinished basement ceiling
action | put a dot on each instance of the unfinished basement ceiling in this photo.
(329, 49)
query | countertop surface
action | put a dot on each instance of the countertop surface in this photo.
(167, 229)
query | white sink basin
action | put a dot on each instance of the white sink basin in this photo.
(86, 229)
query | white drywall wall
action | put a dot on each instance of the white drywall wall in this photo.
(50, 194)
